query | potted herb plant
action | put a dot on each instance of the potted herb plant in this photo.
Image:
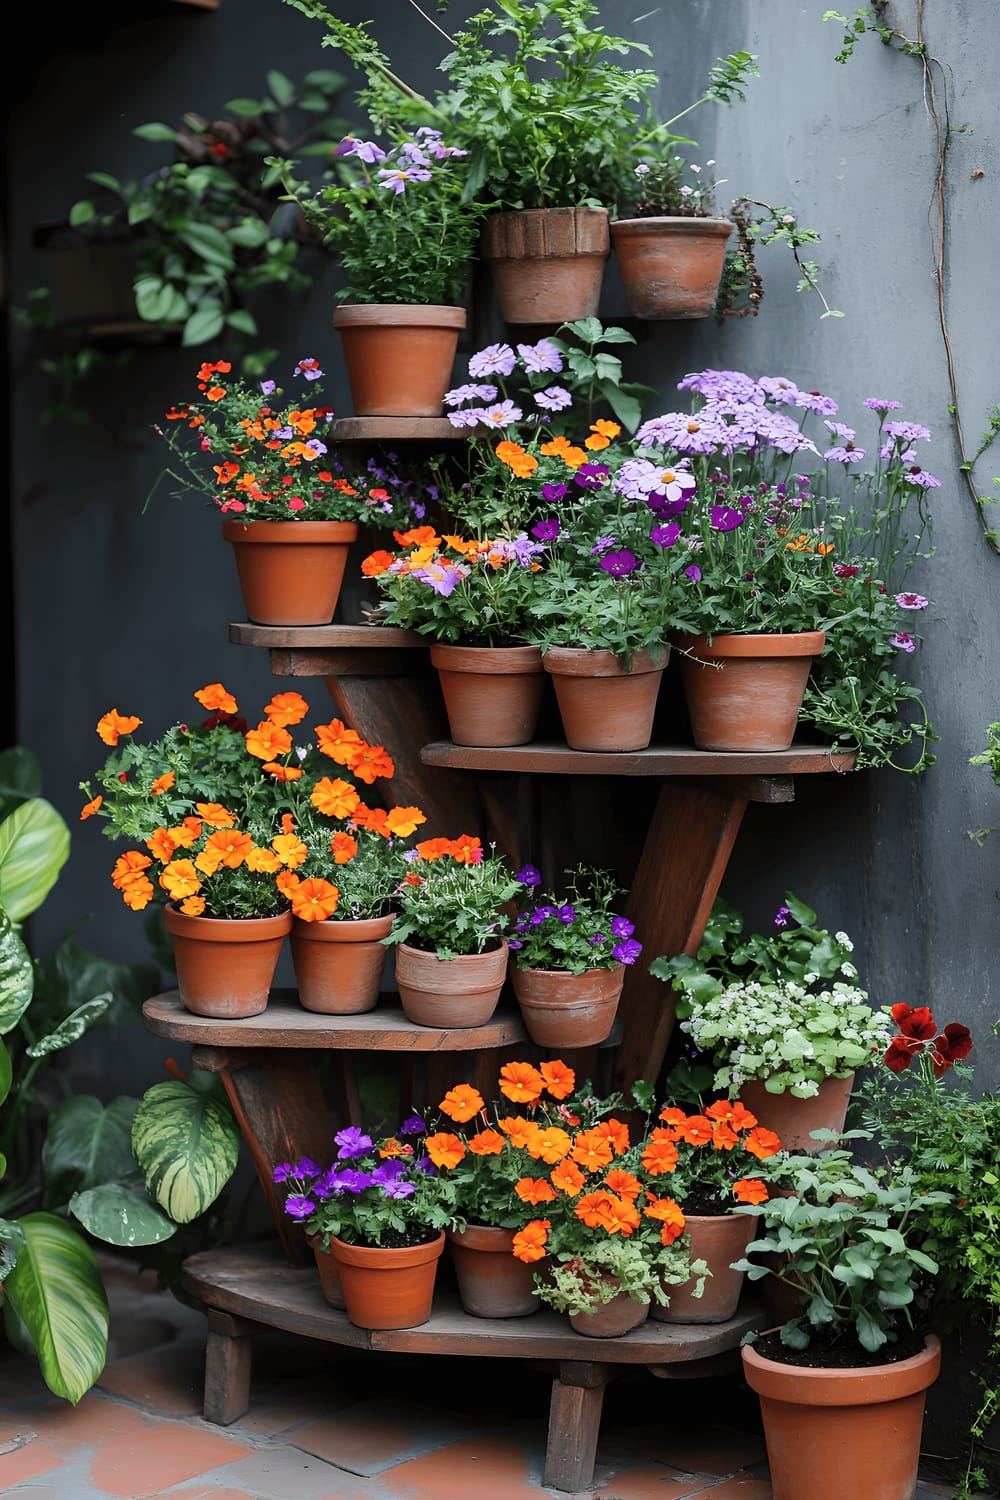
(380, 1209)
(451, 954)
(570, 950)
(670, 255)
(779, 1017)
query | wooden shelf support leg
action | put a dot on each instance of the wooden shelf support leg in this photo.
(574, 1424)
(228, 1357)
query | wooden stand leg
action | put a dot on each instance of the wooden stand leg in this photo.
(574, 1424)
(228, 1356)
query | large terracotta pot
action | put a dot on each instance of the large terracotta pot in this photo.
(492, 694)
(717, 1239)
(492, 1282)
(612, 1319)
(290, 572)
(603, 706)
(670, 267)
(388, 1288)
(339, 965)
(329, 1274)
(832, 1433)
(792, 1118)
(568, 1010)
(744, 692)
(225, 968)
(547, 264)
(450, 992)
(399, 357)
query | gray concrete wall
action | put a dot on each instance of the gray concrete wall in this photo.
(120, 608)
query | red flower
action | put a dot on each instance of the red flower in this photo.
(901, 1053)
(954, 1043)
(918, 1023)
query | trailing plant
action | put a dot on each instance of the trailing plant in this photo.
(989, 757)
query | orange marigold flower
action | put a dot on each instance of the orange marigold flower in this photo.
(568, 1178)
(670, 1216)
(431, 849)
(518, 1130)
(605, 428)
(521, 1082)
(193, 906)
(314, 900)
(163, 783)
(290, 850)
(138, 894)
(513, 455)
(227, 472)
(180, 879)
(214, 814)
(462, 1102)
(466, 850)
(623, 1183)
(486, 1143)
(215, 697)
(418, 536)
(402, 821)
(280, 772)
(90, 808)
(129, 867)
(377, 563)
(534, 1190)
(287, 823)
(230, 846)
(375, 819)
(393, 1148)
(334, 799)
(550, 1145)
(286, 708)
(696, 1130)
(162, 845)
(338, 742)
(187, 833)
(529, 1242)
(444, 1150)
(750, 1190)
(724, 1138)
(604, 1210)
(555, 446)
(286, 881)
(112, 725)
(560, 1081)
(263, 861)
(343, 847)
(672, 1116)
(659, 1157)
(372, 762)
(616, 1132)
(267, 741)
(592, 1150)
(762, 1143)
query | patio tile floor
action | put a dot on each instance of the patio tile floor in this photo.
(337, 1425)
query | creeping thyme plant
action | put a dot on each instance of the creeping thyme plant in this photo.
(783, 1008)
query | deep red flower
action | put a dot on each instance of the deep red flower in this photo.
(900, 1054)
(954, 1043)
(917, 1023)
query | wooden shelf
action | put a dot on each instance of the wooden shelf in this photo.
(656, 760)
(396, 430)
(284, 1024)
(324, 637)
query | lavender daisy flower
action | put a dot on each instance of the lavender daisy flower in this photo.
(495, 359)
(906, 432)
(824, 406)
(903, 642)
(785, 392)
(619, 564)
(910, 601)
(299, 1208)
(502, 414)
(365, 151)
(682, 432)
(627, 952)
(602, 544)
(875, 403)
(396, 178)
(470, 417)
(844, 453)
(540, 358)
(546, 531)
(723, 384)
(352, 1142)
(528, 876)
(553, 398)
(469, 393)
(917, 475)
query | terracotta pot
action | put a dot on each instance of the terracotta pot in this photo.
(832, 1433)
(568, 1010)
(388, 1288)
(492, 1282)
(792, 1118)
(225, 968)
(290, 571)
(339, 965)
(611, 1320)
(718, 1239)
(602, 706)
(492, 694)
(744, 692)
(670, 267)
(399, 357)
(329, 1274)
(450, 992)
(547, 264)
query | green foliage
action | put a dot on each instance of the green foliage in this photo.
(583, 1283)
(34, 846)
(453, 908)
(989, 757)
(186, 1143)
(55, 1295)
(575, 929)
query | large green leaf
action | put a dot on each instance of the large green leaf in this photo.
(20, 777)
(34, 845)
(187, 1144)
(6, 1072)
(11, 1240)
(87, 1144)
(17, 975)
(116, 1214)
(68, 973)
(72, 1029)
(55, 1289)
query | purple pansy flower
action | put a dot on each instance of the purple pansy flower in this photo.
(299, 1208)
(442, 578)
(619, 564)
(591, 476)
(693, 572)
(396, 1189)
(665, 536)
(627, 951)
(527, 875)
(396, 178)
(781, 916)
(365, 151)
(566, 915)
(904, 642)
(352, 1142)
(546, 531)
(725, 518)
(622, 927)
(553, 492)
(413, 1125)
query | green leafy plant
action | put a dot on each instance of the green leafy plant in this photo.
(575, 929)
(989, 757)
(450, 898)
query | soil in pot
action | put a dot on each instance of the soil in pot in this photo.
(831, 1353)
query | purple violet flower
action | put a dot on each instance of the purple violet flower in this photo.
(622, 927)
(268, 387)
(353, 1181)
(299, 1208)
(566, 915)
(725, 518)
(781, 916)
(553, 492)
(627, 952)
(546, 531)
(413, 1125)
(619, 564)
(527, 875)
(352, 1142)
(665, 536)
(396, 178)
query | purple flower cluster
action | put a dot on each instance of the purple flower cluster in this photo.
(389, 1170)
(571, 935)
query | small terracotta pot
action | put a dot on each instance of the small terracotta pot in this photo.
(670, 267)
(834, 1432)
(290, 572)
(492, 694)
(450, 992)
(547, 264)
(329, 1274)
(792, 1118)
(492, 1282)
(602, 706)
(568, 1010)
(611, 1320)
(744, 692)
(339, 965)
(718, 1239)
(225, 968)
(388, 1288)
(399, 357)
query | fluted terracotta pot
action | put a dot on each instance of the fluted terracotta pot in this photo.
(290, 572)
(492, 1282)
(399, 357)
(339, 965)
(717, 1239)
(388, 1288)
(492, 694)
(670, 267)
(603, 706)
(225, 967)
(450, 992)
(547, 264)
(568, 1010)
(834, 1432)
(744, 692)
(612, 1319)
(792, 1118)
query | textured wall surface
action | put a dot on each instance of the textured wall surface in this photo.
(117, 607)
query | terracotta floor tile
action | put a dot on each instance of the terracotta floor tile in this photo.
(278, 1472)
(130, 1336)
(649, 1482)
(32, 1491)
(371, 1436)
(169, 1379)
(717, 1451)
(27, 1460)
(493, 1467)
(738, 1487)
